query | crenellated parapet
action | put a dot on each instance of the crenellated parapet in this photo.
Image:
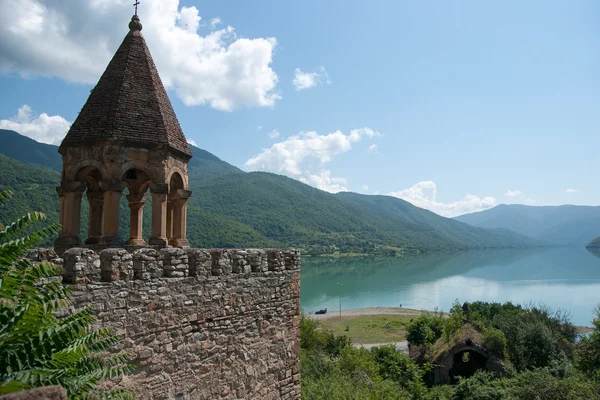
(198, 323)
(82, 265)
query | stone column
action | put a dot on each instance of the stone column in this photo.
(113, 191)
(169, 216)
(62, 198)
(96, 202)
(69, 193)
(179, 204)
(136, 210)
(159, 193)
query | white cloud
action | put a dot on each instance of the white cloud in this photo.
(192, 142)
(305, 80)
(213, 22)
(42, 128)
(304, 156)
(273, 134)
(373, 149)
(219, 69)
(258, 128)
(423, 195)
(513, 193)
(571, 190)
(365, 187)
(323, 180)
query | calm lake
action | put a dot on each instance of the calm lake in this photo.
(565, 278)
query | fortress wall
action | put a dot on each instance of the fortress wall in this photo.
(200, 324)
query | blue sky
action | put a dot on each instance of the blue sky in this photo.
(455, 106)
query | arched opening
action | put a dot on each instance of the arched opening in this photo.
(177, 211)
(175, 183)
(466, 363)
(91, 211)
(108, 216)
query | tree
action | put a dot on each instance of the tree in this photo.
(588, 357)
(40, 348)
(425, 329)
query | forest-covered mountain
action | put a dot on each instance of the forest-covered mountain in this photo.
(232, 208)
(561, 225)
(594, 245)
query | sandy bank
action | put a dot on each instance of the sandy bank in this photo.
(358, 312)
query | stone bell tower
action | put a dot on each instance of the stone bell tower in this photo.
(125, 137)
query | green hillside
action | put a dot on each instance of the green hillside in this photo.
(28, 151)
(34, 189)
(561, 225)
(594, 244)
(414, 219)
(232, 208)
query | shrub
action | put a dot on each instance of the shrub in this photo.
(455, 322)
(530, 341)
(399, 368)
(310, 335)
(358, 363)
(39, 348)
(495, 341)
(335, 344)
(588, 354)
(425, 329)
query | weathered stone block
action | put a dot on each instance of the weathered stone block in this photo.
(291, 259)
(41, 254)
(221, 262)
(258, 260)
(41, 393)
(116, 265)
(200, 262)
(147, 264)
(175, 262)
(81, 266)
(275, 261)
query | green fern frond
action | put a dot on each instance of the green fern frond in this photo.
(14, 249)
(16, 227)
(37, 347)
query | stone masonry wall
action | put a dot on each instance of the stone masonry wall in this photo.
(200, 324)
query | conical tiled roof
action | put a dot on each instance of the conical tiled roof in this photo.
(129, 104)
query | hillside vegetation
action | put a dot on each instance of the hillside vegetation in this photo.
(594, 244)
(561, 225)
(543, 355)
(232, 208)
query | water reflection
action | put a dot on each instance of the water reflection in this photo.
(567, 278)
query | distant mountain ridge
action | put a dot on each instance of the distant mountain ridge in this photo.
(28, 151)
(560, 225)
(233, 208)
(594, 244)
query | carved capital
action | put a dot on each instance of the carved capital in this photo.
(112, 186)
(95, 197)
(183, 194)
(136, 200)
(71, 186)
(159, 188)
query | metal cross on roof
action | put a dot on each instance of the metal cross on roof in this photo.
(135, 5)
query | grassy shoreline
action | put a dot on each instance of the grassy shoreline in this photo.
(377, 324)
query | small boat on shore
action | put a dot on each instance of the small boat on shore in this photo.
(323, 311)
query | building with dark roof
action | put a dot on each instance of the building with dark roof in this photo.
(126, 136)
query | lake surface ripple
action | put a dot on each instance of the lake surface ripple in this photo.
(565, 278)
